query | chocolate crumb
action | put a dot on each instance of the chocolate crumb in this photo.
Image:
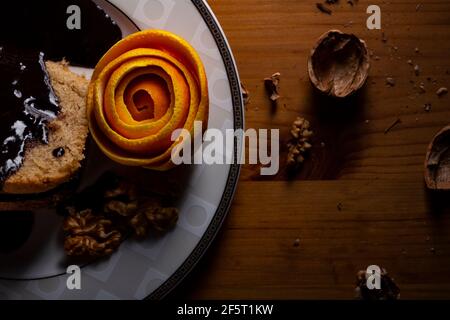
(417, 70)
(416, 50)
(383, 37)
(427, 107)
(323, 9)
(339, 206)
(297, 242)
(419, 6)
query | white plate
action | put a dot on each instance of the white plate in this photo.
(152, 268)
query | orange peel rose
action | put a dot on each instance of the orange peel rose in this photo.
(145, 87)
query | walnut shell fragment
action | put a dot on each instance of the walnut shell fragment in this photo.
(389, 290)
(245, 94)
(339, 64)
(437, 161)
(272, 86)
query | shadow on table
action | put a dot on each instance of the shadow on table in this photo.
(336, 135)
(438, 202)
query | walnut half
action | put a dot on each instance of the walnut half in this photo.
(339, 64)
(437, 162)
(154, 218)
(90, 235)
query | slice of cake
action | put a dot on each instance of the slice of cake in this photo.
(46, 166)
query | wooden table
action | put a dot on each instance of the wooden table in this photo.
(360, 198)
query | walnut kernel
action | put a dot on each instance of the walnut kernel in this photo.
(300, 143)
(90, 235)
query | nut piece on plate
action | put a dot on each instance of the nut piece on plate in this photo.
(154, 217)
(339, 64)
(162, 219)
(100, 218)
(437, 162)
(90, 235)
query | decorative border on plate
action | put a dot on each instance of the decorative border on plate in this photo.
(233, 176)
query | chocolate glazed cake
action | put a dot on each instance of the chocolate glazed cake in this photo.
(42, 103)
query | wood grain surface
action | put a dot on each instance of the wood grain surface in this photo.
(360, 198)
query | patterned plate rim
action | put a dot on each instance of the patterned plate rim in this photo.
(238, 118)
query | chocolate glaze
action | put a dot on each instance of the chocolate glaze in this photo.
(37, 32)
(27, 104)
(42, 26)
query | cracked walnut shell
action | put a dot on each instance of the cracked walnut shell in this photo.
(437, 162)
(388, 291)
(339, 64)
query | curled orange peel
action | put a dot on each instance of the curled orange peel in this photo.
(145, 87)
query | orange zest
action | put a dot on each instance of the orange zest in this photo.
(145, 87)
